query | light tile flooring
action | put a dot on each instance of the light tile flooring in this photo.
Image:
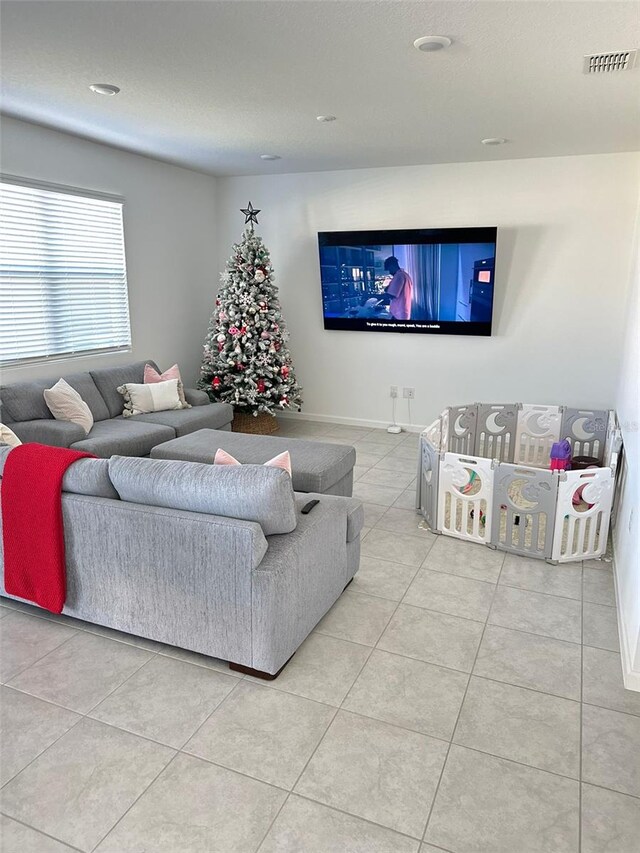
(452, 700)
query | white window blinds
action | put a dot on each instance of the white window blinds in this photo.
(63, 276)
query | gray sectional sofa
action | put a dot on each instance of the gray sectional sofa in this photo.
(23, 409)
(215, 559)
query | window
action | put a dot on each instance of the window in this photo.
(63, 276)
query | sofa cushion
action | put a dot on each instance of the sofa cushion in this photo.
(24, 401)
(67, 405)
(250, 493)
(108, 379)
(84, 477)
(85, 386)
(200, 398)
(55, 433)
(214, 416)
(125, 437)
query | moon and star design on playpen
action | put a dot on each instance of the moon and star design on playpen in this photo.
(534, 480)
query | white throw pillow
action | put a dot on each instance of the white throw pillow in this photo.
(65, 404)
(156, 397)
(8, 436)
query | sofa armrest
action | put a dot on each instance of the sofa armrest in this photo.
(352, 507)
(300, 577)
(195, 397)
(55, 433)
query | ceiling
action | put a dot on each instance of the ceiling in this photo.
(212, 85)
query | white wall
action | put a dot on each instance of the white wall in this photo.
(565, 228)
(626, 535)
(170, 227)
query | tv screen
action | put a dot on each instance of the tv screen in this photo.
(422, 281)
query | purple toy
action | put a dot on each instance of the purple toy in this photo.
(561, 456)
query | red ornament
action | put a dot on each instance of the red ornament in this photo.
(215, 382)
(277, 346)
(284, 370)
(261, 386)
(239, 365)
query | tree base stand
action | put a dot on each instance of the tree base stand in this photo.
(262, 424)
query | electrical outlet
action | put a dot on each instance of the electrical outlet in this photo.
(393, 391)
(409, 393)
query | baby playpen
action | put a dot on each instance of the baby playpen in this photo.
(484, 476)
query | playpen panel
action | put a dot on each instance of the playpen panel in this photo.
(496, 431)
(462, 429)
(537, 429)
(444, 435)
(433, 433)
(465, 495)
(586, 431)
(524, 504)
(613, 443)
(583, 512)
(428, 483)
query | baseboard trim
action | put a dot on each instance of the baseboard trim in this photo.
(344, 421)
(630, 676)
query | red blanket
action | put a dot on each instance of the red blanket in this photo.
(32, 528)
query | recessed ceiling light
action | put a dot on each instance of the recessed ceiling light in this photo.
(325, 118)
(494, 140)
(104, 88)
(270, 157)
(429, 44)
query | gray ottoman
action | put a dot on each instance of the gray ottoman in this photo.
(316, 467)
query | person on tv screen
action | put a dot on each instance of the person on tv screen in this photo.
(400, 288)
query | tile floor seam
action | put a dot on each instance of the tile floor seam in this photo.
(270, 827)
(610, 790)
(46, 834)
(464, 697)
(122, 816)
(357, 817)
(540, 592)
(337, 710)
(519, 763)
(42, 657)
(36, 757)
(219, 705)
(248, 775)
(375, 646)
(386, 559)
(124, 681)
(615, 710)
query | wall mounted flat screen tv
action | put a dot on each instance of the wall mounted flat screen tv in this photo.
(420, 281)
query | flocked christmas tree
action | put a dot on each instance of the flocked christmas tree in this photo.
(246, 361)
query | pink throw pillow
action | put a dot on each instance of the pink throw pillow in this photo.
(282, 460)
(151, 375)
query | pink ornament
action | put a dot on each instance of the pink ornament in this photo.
(234, 331)
(265, 336)
(284, 370)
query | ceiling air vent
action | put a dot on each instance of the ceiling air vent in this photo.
(603, 63)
